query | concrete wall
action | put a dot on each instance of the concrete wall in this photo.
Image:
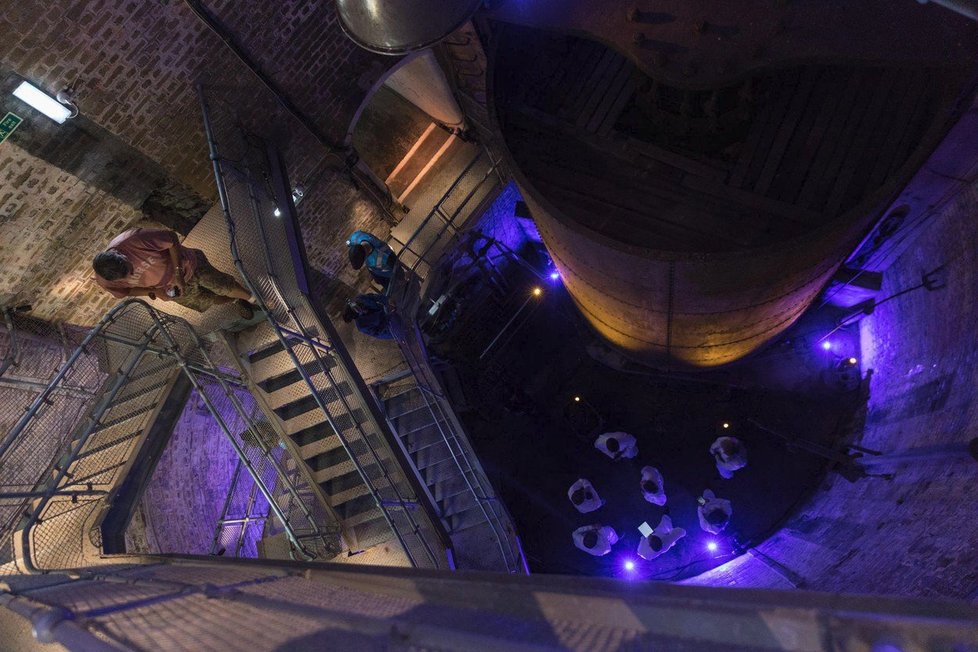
(915, 534)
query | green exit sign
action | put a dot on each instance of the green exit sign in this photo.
(10, 122)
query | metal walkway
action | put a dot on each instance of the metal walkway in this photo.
(215, 604)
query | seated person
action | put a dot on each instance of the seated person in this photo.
(660, 540)
(714, 513)
(730, 455)
(653, 488)
(584, 497)
(379, 257)
(617, 445)
(152, 263)
(595, 539)
(370, 313)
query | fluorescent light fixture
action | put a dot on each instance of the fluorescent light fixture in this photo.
(43, 102)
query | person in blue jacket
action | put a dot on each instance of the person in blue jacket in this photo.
(369, 312)
(380, 259)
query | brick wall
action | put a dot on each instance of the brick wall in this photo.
(915, 534)
(134, 65)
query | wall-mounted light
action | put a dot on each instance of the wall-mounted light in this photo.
(58, 109)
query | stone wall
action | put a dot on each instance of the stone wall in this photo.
(914, 534)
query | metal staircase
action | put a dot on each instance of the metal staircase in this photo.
(299, 365)
(428, 439)
(133, 359)
(363, 450)
(284, 393)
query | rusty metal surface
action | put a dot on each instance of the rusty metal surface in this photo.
(704, 44)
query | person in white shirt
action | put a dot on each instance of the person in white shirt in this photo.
(660, 540)
(730, 455)
(584, 496)
(595, 539)
(617, 445)
(714, 512)
(653, 488)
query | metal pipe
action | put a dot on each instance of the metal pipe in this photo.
(32, 383)
(503, 329)
(227, 38)
(44, 494)
(56, 625)
(252, 496)
(943, 453)
(224, 509)
(163, 352)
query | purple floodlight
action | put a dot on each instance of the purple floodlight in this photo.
(711, 546)
(629, 565)
(554, 276)
(826, 345)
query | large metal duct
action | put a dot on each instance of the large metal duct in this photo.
(401, 26)
(694, 223)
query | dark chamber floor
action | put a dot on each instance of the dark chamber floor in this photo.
(534, 440)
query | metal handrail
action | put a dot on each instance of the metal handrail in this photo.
(449, 220)
(420, 369)
(240, 409)
(62, 483)
(423, 376)
(300, 332)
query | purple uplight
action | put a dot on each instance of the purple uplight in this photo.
(711, 546)
(629, 565)
(826, 345)
(554, 276)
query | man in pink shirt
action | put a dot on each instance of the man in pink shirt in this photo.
(152, 263)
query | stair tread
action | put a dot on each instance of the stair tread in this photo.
(296, 398)
(466, 519)
(373, 532)
(292, 376)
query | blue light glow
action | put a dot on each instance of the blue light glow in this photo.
(826, 345)
(554, 276)
(629, 565)
(711, 546)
